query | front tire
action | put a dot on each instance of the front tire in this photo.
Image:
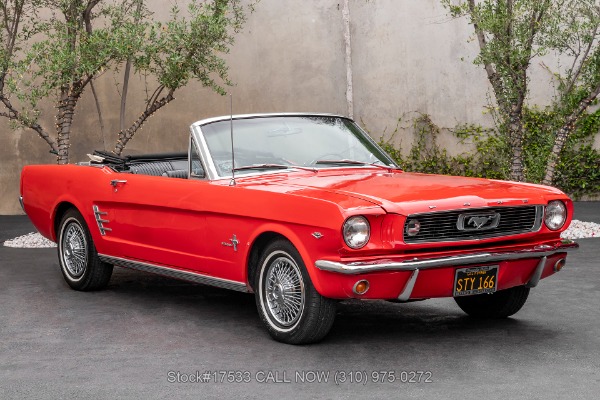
(287, 302)
(79, 262)
(501, 304)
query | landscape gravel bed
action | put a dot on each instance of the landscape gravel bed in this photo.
(581, 230)
(32, 240)
(577, 230)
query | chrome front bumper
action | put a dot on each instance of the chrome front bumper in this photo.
(21, 203)
(415, 263)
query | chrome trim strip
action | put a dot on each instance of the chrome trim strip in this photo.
(194, 143)
(537, 274)
(539, 217)
(449, 261)
(175, 273)
(100, 221)
(22, 204)
(265, 115)
(205, 158)
(410, 285)
(189, 160)
(467, 209)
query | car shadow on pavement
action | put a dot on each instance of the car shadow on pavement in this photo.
(435, 319)
(364, 321)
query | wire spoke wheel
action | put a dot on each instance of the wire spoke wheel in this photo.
(284, 291)
(77, 255)
(287, 301)
(74, 249)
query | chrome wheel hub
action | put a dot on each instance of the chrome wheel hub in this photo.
(284, 291)
(74, 250)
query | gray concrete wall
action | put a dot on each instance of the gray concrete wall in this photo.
(290, 57)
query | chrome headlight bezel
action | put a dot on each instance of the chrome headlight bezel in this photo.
(356, 232)
(555, 215)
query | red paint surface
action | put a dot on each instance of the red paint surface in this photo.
(182, 223)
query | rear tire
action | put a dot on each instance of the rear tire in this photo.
(501, 304)
(79, 262)
(287, 302)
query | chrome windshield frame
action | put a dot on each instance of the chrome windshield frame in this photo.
(209, 164)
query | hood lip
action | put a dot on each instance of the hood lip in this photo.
(532, 194)
(476, 209)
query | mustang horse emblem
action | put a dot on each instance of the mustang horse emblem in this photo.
(477, 222)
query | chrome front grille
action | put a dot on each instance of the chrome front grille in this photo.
(474, 224)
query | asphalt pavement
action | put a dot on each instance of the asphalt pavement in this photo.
(151, 337)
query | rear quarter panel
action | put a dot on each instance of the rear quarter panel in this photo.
(45, 187)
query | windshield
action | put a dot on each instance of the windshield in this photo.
(264, 143)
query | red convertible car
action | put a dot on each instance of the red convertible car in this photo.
(302, 210)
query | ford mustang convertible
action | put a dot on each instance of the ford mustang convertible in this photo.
(302, 210)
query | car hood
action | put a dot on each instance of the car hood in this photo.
(410, 193)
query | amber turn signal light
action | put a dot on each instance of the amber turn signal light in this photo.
(559, 264)
(361, 287)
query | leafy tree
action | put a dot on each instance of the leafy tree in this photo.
(510, 34)
(54, 49)
(574, 34)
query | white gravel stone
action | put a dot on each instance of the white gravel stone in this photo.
(577, 230)
(30, 241)
(581, 230)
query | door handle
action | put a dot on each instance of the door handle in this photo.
(116, 182)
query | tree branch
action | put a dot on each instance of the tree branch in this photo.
(126, 136)
(99, 110)
(577, 73)
(87, 15)
(564, 132)
(126, 74)
(15, 115)
(489, 68)
(154, 96)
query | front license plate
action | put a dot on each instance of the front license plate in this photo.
(475, 280)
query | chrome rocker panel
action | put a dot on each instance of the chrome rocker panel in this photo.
(175, 273)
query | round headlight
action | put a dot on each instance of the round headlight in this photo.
(356, 232)
(555, 215)
(413, 227)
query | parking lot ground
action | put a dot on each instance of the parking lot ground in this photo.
(145, 334)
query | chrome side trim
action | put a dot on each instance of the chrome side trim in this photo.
(449, 261)
(408, 288)
(175, 273)
(22, 204)
(100, 221)
(537, 274)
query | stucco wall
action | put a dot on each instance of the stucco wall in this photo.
(290, 57)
